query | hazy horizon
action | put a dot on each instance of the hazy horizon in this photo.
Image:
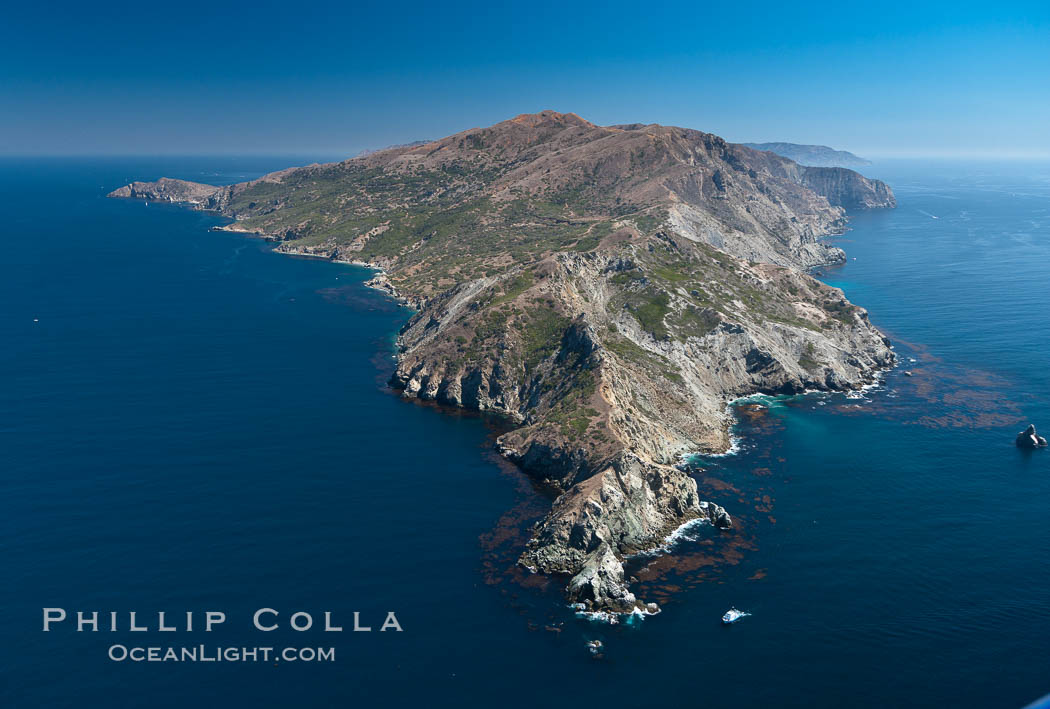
(938, 80)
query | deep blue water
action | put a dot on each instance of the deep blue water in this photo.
(191, 422)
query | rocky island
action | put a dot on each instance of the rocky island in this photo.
(1028, 438)
(608, 288)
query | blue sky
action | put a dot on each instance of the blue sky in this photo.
(919, 78)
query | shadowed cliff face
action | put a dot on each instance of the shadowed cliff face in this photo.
(608, 288)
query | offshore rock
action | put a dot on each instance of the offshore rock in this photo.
(1028, 438)
(717, 514)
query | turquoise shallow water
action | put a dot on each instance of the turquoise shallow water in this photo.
(196, 423)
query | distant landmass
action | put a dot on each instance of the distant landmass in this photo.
(812, 155)
(609, 289)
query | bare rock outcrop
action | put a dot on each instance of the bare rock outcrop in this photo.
(1028, 438)
(599, 583)
(629, 505)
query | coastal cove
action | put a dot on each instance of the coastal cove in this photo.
(190, 415)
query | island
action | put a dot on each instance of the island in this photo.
(608, 289)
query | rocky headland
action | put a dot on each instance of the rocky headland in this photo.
(609, 289)
(812, 155)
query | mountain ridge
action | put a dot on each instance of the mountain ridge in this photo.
(811, 155)
(609, 289)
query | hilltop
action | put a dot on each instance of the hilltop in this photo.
(608, 288)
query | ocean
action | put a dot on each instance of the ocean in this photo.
(191, 422)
